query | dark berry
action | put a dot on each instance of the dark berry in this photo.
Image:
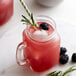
(64, 59)
(74, 57)
(63, 50)
(44, 26)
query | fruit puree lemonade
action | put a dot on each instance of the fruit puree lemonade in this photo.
(40, 48)
(6, 11)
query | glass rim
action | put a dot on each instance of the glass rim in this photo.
(49, 36)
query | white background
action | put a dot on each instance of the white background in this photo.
(11, 35)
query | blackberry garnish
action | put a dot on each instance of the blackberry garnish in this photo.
(44, 26)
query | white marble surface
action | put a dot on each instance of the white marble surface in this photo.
(10, 35)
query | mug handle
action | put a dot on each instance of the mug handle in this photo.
(19, 54)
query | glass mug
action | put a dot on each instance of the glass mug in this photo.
(39, 55)
(6, 11)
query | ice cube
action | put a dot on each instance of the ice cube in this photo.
(40, 35)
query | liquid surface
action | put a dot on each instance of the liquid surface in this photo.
(48, 31)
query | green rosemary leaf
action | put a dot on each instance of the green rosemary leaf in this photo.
(26, 23)
(32, 19)
(23, 20)
(36, 25)
(24, 17)
(60, 73)
(71, 69)
(55, 73)
(26, 20)
(51, 74)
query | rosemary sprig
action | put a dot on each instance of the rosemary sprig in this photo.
(60, 73)
(26, 20)
(71, 69)
(55, 73)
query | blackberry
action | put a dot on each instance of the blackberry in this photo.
(44, 26)
(74, 57)
(64, 59)
(63, 50)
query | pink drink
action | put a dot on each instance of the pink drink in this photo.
(6, 10)
(41, 55)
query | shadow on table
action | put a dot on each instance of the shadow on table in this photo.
(16, 70)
